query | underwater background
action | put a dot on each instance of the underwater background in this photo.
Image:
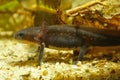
(19, 59)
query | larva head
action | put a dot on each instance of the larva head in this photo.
(27, 34)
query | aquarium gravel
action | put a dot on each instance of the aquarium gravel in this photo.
(18, 61)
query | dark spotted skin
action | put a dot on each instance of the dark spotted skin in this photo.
(71, 37)
(63, 37)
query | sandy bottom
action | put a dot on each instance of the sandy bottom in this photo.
(18, 61)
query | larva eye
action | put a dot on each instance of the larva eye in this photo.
(21, 35)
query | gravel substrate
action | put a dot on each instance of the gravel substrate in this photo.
(18, 61)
